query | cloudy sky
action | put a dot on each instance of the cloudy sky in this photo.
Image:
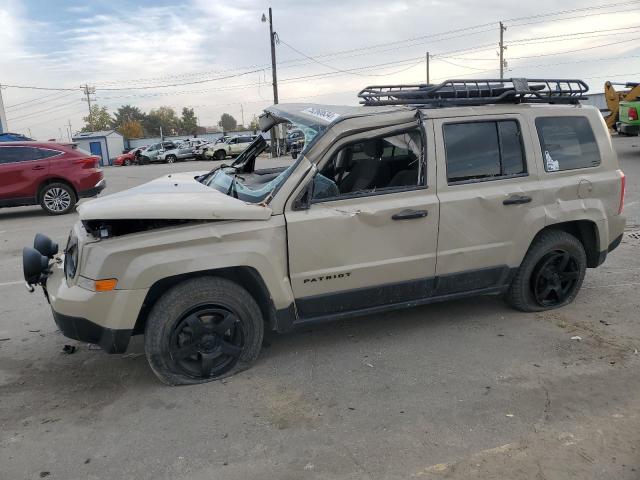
(214, 55)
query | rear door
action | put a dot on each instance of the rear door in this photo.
(369, 237)
(22, 170)
(491, 205)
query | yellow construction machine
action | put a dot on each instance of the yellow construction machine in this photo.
(623, 106)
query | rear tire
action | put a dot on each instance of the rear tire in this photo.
(551, 273)
(57, 199)
(219, 155)
(170, 158)
(201, 330)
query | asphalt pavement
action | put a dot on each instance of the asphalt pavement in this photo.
(456, 390)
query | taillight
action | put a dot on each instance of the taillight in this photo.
(633, 113)
(622, 187)
(87, 162)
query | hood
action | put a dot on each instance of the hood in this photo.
(175, 196)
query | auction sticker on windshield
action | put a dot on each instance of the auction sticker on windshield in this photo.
(321, 113)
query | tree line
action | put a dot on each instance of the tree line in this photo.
(131, 122)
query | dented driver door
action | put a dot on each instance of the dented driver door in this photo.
(375, 249)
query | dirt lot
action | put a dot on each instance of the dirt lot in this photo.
(466, 389)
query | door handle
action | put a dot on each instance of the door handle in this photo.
(38, 167)
(409, 213)
(517, 200)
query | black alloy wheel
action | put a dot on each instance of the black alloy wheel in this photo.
(207, 341)
(555, 278)
(551, 273)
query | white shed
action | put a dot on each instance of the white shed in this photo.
(107, 144)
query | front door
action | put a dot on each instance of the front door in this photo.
(491, 204)
(369, 237)
(22, 170)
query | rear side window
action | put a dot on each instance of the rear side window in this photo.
(46, 153)
(18, 154)
(477, 151)
(567, 143)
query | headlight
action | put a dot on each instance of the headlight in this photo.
(71, 257)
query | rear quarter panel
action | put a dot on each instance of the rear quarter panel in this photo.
(591, 193)
(66, 168)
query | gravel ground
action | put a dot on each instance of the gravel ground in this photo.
(457, 390)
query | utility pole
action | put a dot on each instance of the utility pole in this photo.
(502, 49)
(3, 117)
(428, 68)
(273, 35)
(272, 38)
(88, 91)
(69, 125)
(242, 115)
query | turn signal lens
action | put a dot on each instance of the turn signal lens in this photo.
(105, 285)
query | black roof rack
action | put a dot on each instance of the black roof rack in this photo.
(477, 92)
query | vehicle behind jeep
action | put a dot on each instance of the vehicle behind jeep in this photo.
(54, 175)
(425, 193)
(232, 147)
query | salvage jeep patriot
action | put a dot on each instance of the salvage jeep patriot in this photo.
(424, 193)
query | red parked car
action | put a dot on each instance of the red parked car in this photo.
(53, 175)
(129, 158)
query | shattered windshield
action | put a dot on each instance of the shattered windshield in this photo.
(256, 187)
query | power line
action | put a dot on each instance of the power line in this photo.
(576, 49)
(67, 114)
(573, 10)
(573, 17)
(564, 35)
(38, 99)
(28, 87)
(55, 107)
(349, 71)
(147, 87)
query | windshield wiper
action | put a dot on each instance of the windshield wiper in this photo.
(233, 190)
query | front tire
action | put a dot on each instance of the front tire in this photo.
(57, 199)
(203, 329)
(219, 155)
(126, 163)
(551, 273)
(170, 159)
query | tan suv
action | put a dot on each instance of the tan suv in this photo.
(232, 147)
(425, 193)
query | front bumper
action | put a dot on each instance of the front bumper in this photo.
(628, 129)
(78, 328)
(103, 318)
(94, 191)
